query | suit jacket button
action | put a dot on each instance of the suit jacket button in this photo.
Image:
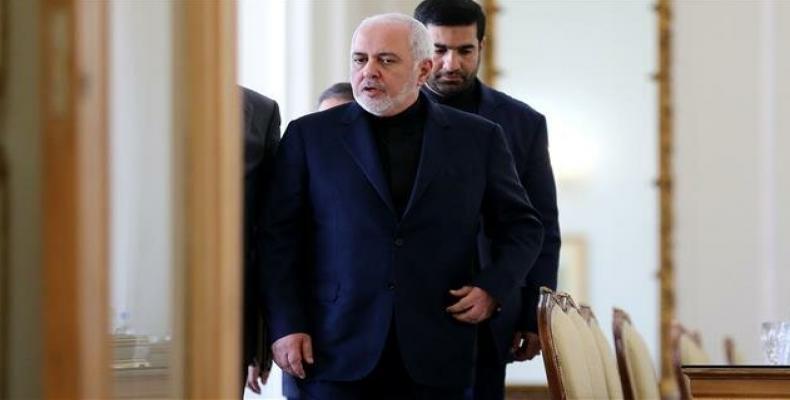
(391, 286)
(398, 242)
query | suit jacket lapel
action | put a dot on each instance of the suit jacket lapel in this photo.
(432, 155)
(359, 142)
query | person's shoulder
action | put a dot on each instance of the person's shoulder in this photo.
(319, 123)
(257, 100)
(462, 118)
(328, 116)
(467, 128)
(513, 104)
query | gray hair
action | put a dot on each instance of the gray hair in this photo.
(340, 90)
(421, 43)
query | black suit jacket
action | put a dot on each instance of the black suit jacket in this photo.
(527, 138)
(370, 269)
(261, 137)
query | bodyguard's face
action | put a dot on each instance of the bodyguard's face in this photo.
(384, 77)
(456, 58)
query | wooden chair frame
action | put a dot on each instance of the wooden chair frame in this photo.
(677, 331)
(549, 300)
(587, 313)
(619, 319)
(589, 316)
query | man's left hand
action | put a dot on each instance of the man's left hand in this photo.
(474, 305)
(526, 345)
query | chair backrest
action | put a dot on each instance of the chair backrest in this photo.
(573, 366)
(613, 385)
(637, 374)
(686, 350)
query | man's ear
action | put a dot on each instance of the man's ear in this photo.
(481, 44)
(424, 69)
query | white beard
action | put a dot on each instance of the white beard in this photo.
(380, 107)
(376, 107)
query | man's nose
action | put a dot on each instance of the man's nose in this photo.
(371, 70)
(451, 61)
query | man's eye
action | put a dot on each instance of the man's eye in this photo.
(440, 51)
(387, 60)
(358, 60)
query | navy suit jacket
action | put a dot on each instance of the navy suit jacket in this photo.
(527, 138)
(340, 265)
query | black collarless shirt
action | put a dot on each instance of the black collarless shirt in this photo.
(466, 100)
(399, 142)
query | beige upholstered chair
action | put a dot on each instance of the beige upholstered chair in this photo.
(637, 374)
(574, 367)
(613, 385)
(686, 350)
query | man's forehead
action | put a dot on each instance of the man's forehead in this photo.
(454, 32)
(381, 38)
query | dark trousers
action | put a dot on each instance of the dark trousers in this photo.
(489, 369)
(389, 380)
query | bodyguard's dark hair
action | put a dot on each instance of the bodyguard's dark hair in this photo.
(340, 90)
(452, 13)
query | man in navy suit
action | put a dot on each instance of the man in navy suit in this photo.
(457, 28)
(371, 276)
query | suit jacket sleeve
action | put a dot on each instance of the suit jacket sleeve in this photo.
(261, 137)
(284, 239)
(511, 222)
(538, 180)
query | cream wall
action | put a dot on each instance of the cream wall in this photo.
(141, 118)
(22, 145)
(587, 65)
(732, 99)
(782, 87)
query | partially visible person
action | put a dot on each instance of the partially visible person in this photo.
(457, 28)
(335, 95)
(384, 196)
(261, 137)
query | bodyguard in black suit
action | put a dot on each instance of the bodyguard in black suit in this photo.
(261, 136)
(457, 28)
(385, 196)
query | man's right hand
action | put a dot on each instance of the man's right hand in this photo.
(289, 352)
(254, 372)
(526, 345)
